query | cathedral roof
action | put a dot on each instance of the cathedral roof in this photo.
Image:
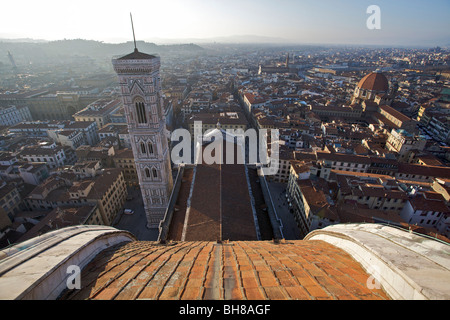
(375, 81)
(214, 201)
(344, 261)
(262, 270)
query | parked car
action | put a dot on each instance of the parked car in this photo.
(128, 211)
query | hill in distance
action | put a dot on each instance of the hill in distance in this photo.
(37, 50)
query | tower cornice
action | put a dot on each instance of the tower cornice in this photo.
(132, 66)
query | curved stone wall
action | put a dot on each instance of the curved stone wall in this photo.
(407, 265)
(39, 268)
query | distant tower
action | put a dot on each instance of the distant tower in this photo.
(287, 61)
(11, 59)
(140, 88)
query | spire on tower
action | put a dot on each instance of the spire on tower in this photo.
(134, 37)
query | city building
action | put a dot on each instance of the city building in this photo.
(62, 217)
(368, 191)
(68, 138)
(12, 115)
(118, 131)
(49, 194)
(63, 132)
(439, 127)
(124, 159)
(427, 211)
(371, 85)
(89, 129)
(341, 161)
(36, 128)
(211, 121)
(102, 154)
(119, 116)
(251, 101)
(352, 112)
(99, 111)
(54, 156)
(10, 199)
(420, 173)
(34, 173)
(278, 68)
(402, 142)
(56, 105)
(86, 169)
(394, 119)
(310, 204)
(196, 101)
(107, 190)
(285, 157)
(140, 84)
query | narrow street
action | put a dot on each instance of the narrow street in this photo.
(136, 223)
(278, 192)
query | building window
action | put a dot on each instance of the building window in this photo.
(147, 172)
(143, 148)
(150, 148)
(140, 111)
(155, 173)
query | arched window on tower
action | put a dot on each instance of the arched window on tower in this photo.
(150, 148)
(140, 111)
(155, 173)
(147, 172)
(143, 148)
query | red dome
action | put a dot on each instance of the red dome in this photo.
(375, 81)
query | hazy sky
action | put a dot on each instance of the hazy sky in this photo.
(315, 21)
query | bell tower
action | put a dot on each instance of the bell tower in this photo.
(140, 88)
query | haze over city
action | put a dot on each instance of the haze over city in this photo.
(422, 23)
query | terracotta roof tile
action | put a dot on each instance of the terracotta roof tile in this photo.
(235, 270)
